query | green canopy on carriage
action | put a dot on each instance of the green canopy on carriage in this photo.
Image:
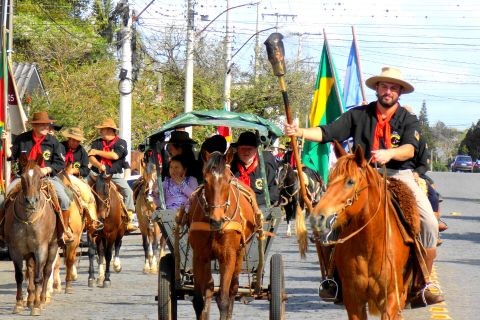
(267, 130)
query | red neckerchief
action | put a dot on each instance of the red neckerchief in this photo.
(107, 146)
(69, 156)
(37, 149)
(245, 173)
(383, 129)
(293, 164)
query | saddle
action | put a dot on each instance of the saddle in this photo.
(408, 217)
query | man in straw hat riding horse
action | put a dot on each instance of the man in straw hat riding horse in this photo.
(107, 155)
(76, 162)
(389, 135)
(38, 142)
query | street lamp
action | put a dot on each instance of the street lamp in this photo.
(188, 103)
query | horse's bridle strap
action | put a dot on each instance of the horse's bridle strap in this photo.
(205, 226)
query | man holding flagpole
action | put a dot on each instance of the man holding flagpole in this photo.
(389, 135)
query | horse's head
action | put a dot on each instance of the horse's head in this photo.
(102, 194)
(217, 177)
(149, 172)
(346, 193)
(31, 180)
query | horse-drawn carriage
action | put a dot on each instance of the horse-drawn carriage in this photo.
(176, 280)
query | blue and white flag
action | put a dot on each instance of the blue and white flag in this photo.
(352, 91)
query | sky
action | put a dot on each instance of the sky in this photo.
(434, 42)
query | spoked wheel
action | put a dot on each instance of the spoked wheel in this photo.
(277, 288)
(167, 298)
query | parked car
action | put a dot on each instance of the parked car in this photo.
(462, 163)
(476, 166)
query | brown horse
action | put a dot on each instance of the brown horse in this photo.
(76, 224)
(221, 220)
(371, 254)
(152, 240)
(31, 235)
(109, 206)
(136, 161)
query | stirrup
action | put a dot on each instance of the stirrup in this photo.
(419, 300)
(325, 290)
(98, 225)
(428, 285)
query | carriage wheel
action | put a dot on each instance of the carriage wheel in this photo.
(167, 299)
(277, 288)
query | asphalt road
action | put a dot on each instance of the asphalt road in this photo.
(132, 292)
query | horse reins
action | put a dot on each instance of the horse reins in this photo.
(40, 212)
(347, 204)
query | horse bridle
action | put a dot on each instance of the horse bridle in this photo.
(106, 202)
(347, 204)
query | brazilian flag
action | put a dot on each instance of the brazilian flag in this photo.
(326, 107)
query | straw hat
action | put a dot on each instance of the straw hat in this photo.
(390, 74)
(41, 118)
(107, 123)
(74, 133)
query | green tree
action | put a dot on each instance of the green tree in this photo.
(425, 130)
(470, 144)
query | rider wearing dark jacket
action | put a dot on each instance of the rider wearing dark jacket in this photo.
(245, 166)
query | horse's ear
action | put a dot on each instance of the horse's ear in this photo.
(359, 156)
(229, 155)
(338, 149)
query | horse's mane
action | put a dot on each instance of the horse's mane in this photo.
(216, 163)
(30, 164)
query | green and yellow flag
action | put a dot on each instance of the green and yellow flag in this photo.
(326, 107)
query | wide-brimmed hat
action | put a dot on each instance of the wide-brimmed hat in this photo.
(180, 137)
(390, 74)
(247, 138)
(281, 146)
(107, 123)
(41, 118)
(215, 143)
(74, 133)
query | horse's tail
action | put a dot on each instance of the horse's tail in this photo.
(301, 230)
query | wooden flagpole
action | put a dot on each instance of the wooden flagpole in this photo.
(359, 70)
(334, 75)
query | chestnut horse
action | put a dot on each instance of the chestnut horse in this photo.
(152, 240)
(76, 224)
(222, 221)
(371, 254)
(31, 235)
(109, 206)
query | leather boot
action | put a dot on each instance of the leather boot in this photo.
(64, 235)
(417, 300)
(130, 226)
(442, 226)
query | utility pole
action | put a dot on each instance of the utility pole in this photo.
(279, 15)
(125, 84)
(257, 44)
(228, 61)
(188, 97)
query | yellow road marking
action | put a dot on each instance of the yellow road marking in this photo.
(438, 311)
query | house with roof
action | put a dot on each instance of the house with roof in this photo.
(27, 84)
